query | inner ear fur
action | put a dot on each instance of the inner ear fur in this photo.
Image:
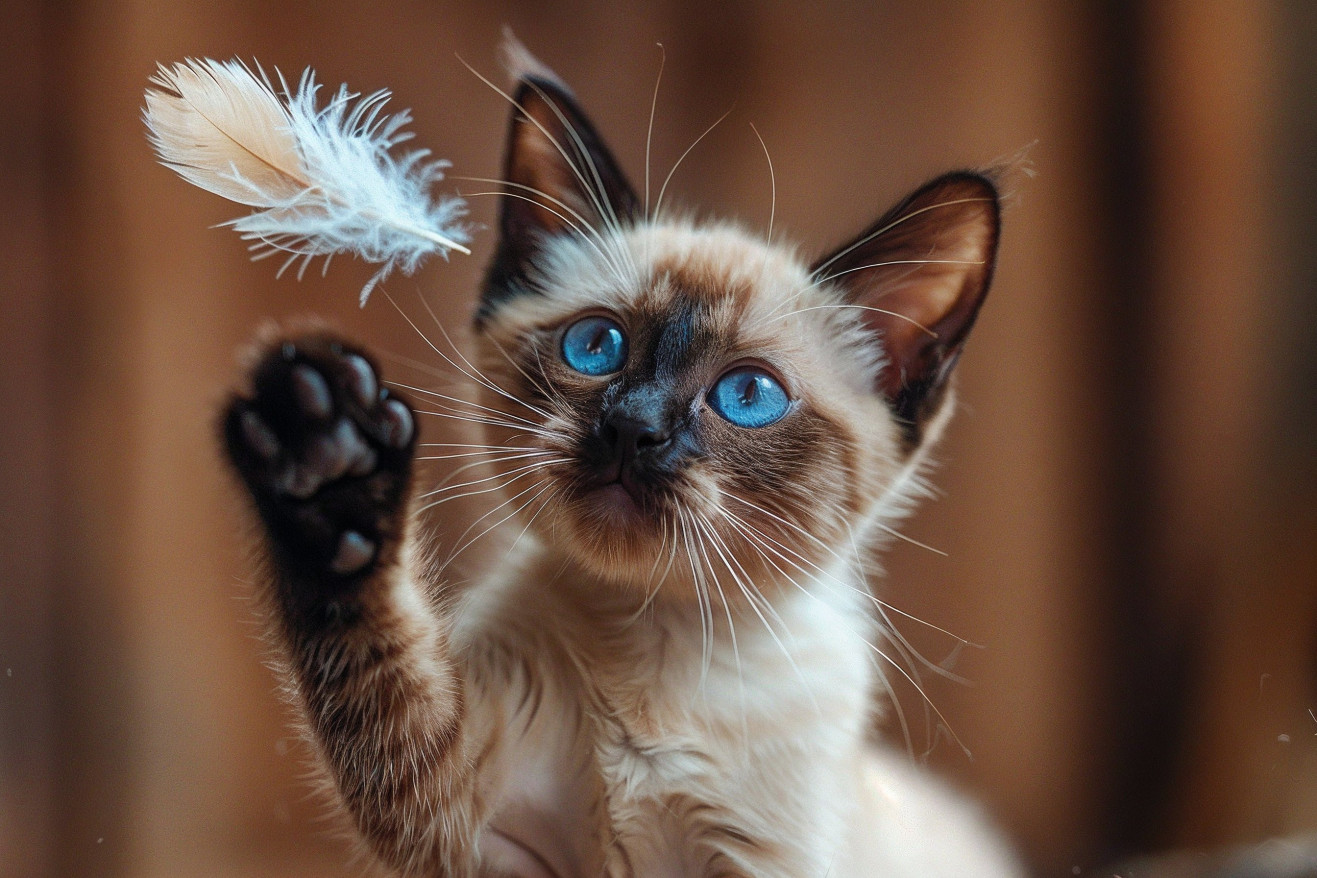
(557, 159)
(920, 274)
(560, 179)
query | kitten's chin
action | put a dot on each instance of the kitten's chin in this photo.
(646, 548)
(610, 532)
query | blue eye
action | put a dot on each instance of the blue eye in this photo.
(749, 397)
(594, 346)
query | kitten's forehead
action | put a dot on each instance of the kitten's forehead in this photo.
(720, 266)
(719, 275)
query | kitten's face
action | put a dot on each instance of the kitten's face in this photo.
(688, 407)
(697, 405)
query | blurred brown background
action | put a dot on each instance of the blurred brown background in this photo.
(1130, 492)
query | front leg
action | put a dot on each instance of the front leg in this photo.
(326, 455)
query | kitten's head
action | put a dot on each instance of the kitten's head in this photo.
(683, 401)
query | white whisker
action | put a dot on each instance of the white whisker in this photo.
(702, 533)
(579, 223)
(545, 387)
(554, 493)
(490, 422)
(903, 218)
(461, 546)
(489, 456)
(755, 598)
(597, 242)
(805, 533)
(481, 446)
(892, 262)
(444, 484)
(466, 402)
(649, 132)
(702, 600)
(515, 470)
(658, 205)
(765, 542)
(470, 370)
(594, 188)
(911, 540)
(472, 374)
(515, 475)
(772, 182)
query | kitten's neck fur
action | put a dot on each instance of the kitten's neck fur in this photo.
(714, 626)
(684, 702)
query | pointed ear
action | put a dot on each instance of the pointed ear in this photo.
(560, 179)
(920, 273)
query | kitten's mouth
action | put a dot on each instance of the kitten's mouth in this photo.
(618, 488)
(618, 498)
(619, 493)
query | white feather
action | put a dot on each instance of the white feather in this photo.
(324, 180)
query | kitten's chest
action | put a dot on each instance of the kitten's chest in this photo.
(659, 748)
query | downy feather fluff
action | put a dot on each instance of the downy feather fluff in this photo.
(324, 180)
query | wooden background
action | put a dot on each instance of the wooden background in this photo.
(1130, 492)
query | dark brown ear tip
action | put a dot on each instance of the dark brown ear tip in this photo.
(969, 184)
(986, 179)
(559, 173)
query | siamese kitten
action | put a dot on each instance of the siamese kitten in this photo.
(674, 673)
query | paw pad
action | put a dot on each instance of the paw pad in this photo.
(325, 450)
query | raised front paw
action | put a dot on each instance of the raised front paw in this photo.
(326, 452)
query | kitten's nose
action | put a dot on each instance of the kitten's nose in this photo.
(629, 436)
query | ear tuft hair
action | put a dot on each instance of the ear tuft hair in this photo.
(520, 64)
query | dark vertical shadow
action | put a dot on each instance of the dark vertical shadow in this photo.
(1151, 656)
(1291, 473)
(26, 462)
(1294, 380)
(90, 669)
